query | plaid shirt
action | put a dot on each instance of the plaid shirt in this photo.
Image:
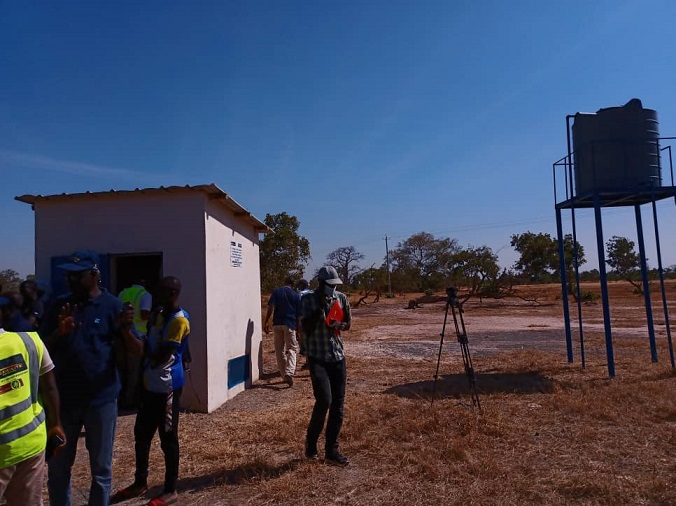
(320, 341)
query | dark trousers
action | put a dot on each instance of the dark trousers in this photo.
(158, 412)
(328, 385)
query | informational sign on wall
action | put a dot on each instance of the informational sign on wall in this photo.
(235, 254)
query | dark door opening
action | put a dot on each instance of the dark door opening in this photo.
(131, 269)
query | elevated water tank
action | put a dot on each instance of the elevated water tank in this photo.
(616, 150)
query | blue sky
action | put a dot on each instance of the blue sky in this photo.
(363, 119)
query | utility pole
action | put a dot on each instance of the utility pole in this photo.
(387, 263)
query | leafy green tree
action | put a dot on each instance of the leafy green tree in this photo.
(283, 252)
(422, 261)
(477, 269)
(569, 262)
(10, 280)
(345, 261)
(624, 261)
(569, 256)
(371, 279)
(539, 260)
(538, 255)
(591, 275)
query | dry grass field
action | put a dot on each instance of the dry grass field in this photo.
(550, 432)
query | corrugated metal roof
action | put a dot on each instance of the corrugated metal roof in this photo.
(214, 192)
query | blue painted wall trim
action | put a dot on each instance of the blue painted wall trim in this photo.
(238, 370)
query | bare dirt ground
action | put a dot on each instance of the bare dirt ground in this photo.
(549, 433)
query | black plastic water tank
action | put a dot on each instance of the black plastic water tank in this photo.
(616, 150)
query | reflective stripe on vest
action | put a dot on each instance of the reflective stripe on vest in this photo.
(34, 361)
(29, 437)
(15, 409)
(22, 431)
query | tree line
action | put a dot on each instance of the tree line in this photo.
(425, 263)
(11, 279)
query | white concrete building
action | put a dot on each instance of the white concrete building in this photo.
(197, 233)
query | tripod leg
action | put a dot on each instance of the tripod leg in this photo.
(469, 370)
(441, 345)
(461, 332)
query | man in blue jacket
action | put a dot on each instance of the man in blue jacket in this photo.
(81, 331)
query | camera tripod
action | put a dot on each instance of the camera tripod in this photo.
(460, 331)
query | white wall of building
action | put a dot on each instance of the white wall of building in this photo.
(194, 234)
(233, 300)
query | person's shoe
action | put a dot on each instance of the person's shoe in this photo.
(130, 492)
(337, 459)
(288, 379)
(164, 499)
(311, 452)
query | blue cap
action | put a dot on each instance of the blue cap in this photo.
(83, 260)
(4, 301)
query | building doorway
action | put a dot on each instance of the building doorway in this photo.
(127, 270)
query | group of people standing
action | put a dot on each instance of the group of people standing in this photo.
(22, 311)
(59, 376)
(72, 363)
(310, 322)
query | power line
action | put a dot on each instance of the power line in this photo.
(492, 225)
(480, 226)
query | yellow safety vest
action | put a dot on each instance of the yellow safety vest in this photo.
(133, 295)
(23, 433)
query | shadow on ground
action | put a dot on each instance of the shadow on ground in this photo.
(457, 385)
(188, 487)
(238, 475)
(269, 375)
